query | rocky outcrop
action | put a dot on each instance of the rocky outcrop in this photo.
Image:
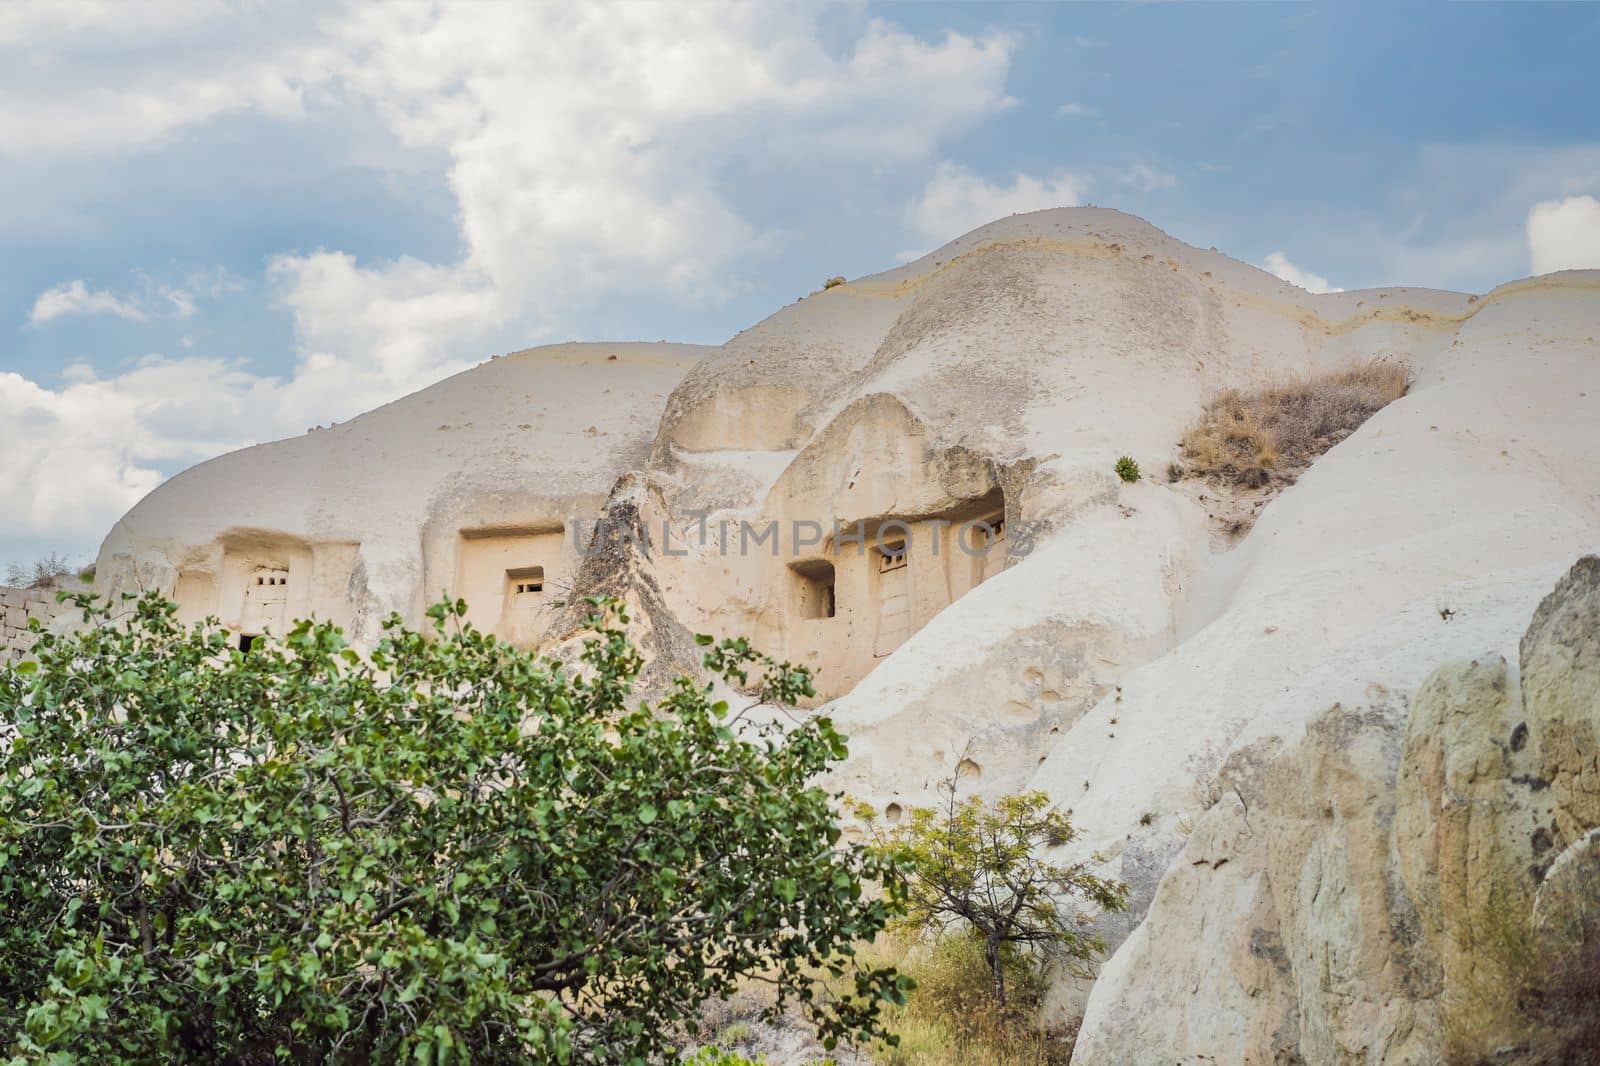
(1561, 691)
(1357, 901)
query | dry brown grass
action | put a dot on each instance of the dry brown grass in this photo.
(950, 1018)
(1534, 996)
(1257, 437)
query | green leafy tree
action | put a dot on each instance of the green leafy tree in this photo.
(444, 851)
(978, 868)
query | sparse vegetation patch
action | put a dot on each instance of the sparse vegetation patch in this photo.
(42, 573)
(1533, 996)
(1256, 437)
(977, 869)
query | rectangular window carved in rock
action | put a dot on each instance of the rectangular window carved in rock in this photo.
(814, 579)
(525, 580)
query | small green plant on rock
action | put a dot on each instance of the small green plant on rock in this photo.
(1127, 469)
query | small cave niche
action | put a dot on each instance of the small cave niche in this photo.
(524, 581)
(196, 595)
(985, 542)
(271, 579)
(891, 555)
(814, 588)
(893, 813)
(245, 641)
(511, 578)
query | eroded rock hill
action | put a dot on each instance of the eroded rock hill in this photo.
(1171, 688)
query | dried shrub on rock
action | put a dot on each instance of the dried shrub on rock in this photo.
(1255, 437)
(1533, 997)
(952, 1018)
(40, 574)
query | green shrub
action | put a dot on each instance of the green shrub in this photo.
(1127, 469)
(448, 850)
(715, 1056)
(977, 867)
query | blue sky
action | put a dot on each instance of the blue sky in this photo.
(225, 222)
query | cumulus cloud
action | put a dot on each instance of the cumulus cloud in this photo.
(610, 181)
(73, 459)
(1564, 235)
(76, 298)
(1278, 263)
(956, 201)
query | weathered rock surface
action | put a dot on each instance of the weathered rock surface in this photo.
(445, 490)
(1341, 907)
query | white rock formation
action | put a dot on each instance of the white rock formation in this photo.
(446, 489)
(1172, 687)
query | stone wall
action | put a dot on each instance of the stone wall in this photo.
(16, 607)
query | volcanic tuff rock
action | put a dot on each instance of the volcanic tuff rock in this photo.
(1345, 905)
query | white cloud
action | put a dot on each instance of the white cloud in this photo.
(957, 201)
(610, 184)
(1146, 178)
(1076, 110)
(73, 459)
(76, 298)
(369, 334)
(611, 181)
(1564, 235)
(90, 78)
(1278, 263)
(36, 23)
